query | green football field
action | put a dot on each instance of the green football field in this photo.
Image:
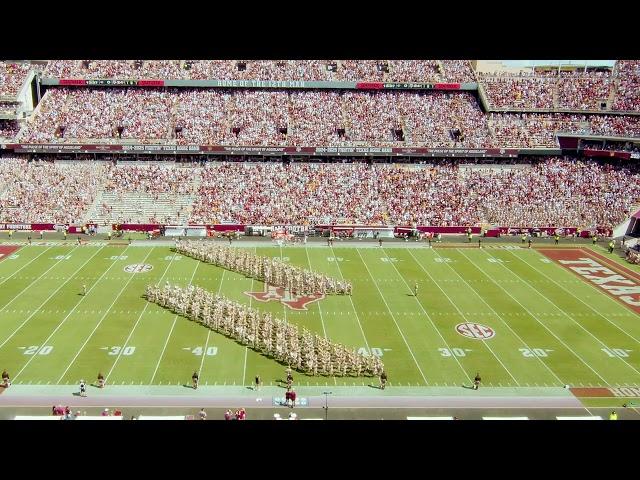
(512, 314)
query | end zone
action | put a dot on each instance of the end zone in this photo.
(5, 251)
(618, 283)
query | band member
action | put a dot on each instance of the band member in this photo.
(383, 380)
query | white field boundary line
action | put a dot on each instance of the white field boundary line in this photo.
(38, 278)
(101, 319)
(537, 320)
(498, 315)
(44, 303)
(324, 330)
(355, 311)
(144, 309)
(566, 315)
(175, 319)
(26, 264)
(582, 282)
(394, 319)
(206, 345)
(484, 342)
(432, 322)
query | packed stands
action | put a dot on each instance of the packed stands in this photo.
(296, 70)
(300, 118)
(578, 91)
(520, 92)
(574, 90)
(47, 192)
(12, 77)
(628, 85)
(9, 128)
(553, 192)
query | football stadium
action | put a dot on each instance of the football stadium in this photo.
(319, 239)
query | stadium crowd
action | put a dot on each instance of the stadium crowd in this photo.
(9, 128)
(47, 192)
(280, 70)
(554, 192)
(300, 118)
(12, 77)
(551, 192)
(628, 87)
(571, 90)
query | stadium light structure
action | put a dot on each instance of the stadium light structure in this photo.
(326, 404)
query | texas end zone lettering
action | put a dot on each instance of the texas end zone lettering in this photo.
(626, 290)
(618, 286)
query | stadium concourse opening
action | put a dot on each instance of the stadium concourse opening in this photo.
(413, 239)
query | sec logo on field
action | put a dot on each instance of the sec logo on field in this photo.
(475, 331)
(138, 268)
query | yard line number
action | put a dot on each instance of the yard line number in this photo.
(453, 352)
(616, 352)
(534, 352)
(129, 350)
(211, 351)
(368, 352)
(36, 349)
(443, 260)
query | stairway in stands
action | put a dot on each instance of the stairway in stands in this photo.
(141, 207)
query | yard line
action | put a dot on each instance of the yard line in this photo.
(324, 331)
(34, 281)
(206, 345)
(534, 317)
(393, 318)
(101, 319)
(582, 301)
(568, 316)
(484, 342)
(499, 316)
(433, 323)
(352, 304)
(246, 347)
(44, 303)
(175, 319)
(138, 320)
(26, 265)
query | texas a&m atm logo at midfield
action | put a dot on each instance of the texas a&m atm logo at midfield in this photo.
(280, 294)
